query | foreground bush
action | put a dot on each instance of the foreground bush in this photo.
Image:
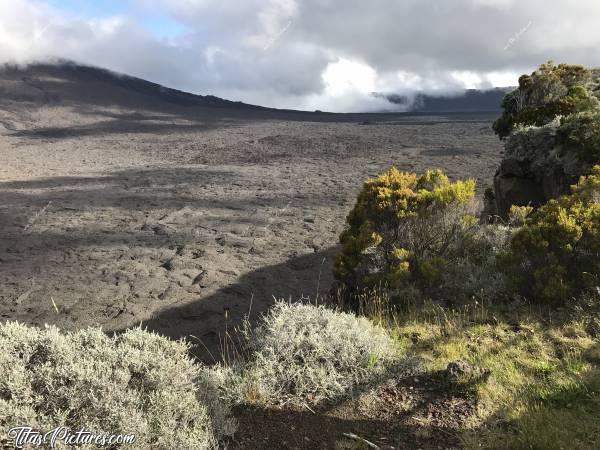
(555, 256)
(405, 230)
(303, 354)
(137, 383)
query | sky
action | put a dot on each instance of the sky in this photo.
(329, 55)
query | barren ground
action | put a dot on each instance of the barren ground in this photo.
(120, 217)
(124, 203)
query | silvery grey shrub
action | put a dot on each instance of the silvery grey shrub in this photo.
(135, 383)
(302, 354)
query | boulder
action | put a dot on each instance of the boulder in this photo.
(533, 170)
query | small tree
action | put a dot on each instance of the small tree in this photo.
(404, 230)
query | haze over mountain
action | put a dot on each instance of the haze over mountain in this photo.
(462, 101)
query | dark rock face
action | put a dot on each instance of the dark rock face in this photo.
(488, 214)
(533, 170)
(516, 190)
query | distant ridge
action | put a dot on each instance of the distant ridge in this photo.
(470, 100)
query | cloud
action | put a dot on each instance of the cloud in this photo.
(313, 54)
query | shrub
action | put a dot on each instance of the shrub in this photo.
(475, 274)
(556, 254)
(517, 215)
(405, 230)
(550, 91)
(303, 354)
(136, 383)
(580, 134)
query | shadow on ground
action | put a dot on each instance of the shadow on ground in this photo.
(206, 322)
(170, 247)
(405, 412)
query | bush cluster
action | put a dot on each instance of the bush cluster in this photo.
(551, 91)
(405, 230)
(136, 383)
(555, 255)
(414, 236)
(302, 354)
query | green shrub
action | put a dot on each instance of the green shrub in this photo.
(580, 134)
(136, 383)
(405, 230)
(517, 215)
(474, 274)
(551, 91)
(303, 354)
(556, 254)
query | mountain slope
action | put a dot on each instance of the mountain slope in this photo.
(40, 96)
(67, 97)
(70, 82)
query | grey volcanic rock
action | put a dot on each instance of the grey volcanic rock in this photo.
(533, 170)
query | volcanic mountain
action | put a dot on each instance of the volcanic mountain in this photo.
(47, 96)
(87, 90)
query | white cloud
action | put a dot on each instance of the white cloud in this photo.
(349, 76)
(503, 79)
(348, 87)
(315, 54)
(470, 80)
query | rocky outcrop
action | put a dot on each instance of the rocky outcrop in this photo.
(533, 169)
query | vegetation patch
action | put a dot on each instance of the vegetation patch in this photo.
(551, 91)
(137, 383)
(580, 134)
(405, 231)
(543, 390)
(302, 354)
(555, 255)
(528, 358)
